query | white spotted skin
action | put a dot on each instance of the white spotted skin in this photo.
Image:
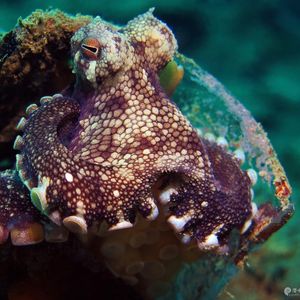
(18, 216)
(69, 177)
(91, 72)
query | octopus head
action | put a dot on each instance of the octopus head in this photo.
(100, 51)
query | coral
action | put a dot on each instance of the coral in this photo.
(32, 55)
(113, 160)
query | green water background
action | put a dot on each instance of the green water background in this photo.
(250, 46)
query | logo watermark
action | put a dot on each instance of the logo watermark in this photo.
(292, 292)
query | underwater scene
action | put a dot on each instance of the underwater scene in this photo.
(149, 150)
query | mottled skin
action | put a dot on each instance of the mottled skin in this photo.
(18, 204)
(106, 150)
(15, 207)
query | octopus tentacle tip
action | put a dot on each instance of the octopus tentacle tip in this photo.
(121, 225)
(239, 154)
(38, 195)
(185, 238)
(36, 199)
(19, 143)
(254, 208)
(249, 221)
(21, 124)
(178, 224)
(153, 212)
(165, 195)
(252, 175)
(246, 226)
(45, 99)
(210, 137)
(75, 224)
(57, 96)
(221, 141)
(30, 109)
(27, 235)
(211, 241)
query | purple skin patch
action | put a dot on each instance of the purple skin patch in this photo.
(117, 145)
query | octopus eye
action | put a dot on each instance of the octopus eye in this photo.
(90, 48)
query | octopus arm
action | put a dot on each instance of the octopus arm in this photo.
(18, 217)
(67, 188)
(208, 206)
(45, 164)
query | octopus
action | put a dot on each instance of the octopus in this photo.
(113, 154)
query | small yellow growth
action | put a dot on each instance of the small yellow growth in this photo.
(170, 77)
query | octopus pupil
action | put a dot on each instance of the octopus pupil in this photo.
(89, 48)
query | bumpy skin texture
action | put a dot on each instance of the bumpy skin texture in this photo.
(15, 192)
(102, 152)
(16, 209)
